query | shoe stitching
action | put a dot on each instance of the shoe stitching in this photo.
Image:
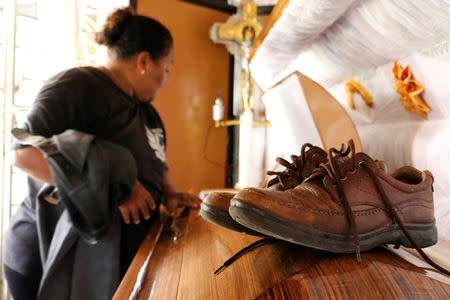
(299, 206)
(405, 219)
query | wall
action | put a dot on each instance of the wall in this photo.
(196, 151)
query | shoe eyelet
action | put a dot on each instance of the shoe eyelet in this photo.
(352, 171)
(344, 179)
(360, 164)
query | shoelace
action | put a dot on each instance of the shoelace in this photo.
(331, 168)
(291, 168)
(292, 174)
(249, 248)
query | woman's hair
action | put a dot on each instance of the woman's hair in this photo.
(127, 34)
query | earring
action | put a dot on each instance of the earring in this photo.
(142, 72)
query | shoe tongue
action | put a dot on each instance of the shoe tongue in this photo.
(284, 183)
(382, 165)
(276, 187)
(318, 179)
(308, 155)
(341, 160)
(295, 177)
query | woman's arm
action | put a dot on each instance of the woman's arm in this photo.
(167, 186)
(32, 162)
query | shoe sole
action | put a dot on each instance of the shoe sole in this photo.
(272, 225)
(222, 218)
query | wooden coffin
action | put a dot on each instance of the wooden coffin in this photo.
(183, 268)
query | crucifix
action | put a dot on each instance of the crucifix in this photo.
(239, 34)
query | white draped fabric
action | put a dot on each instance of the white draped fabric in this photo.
(331, 40)
(431, 71)
(292, 122)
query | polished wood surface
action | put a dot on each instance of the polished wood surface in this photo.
(147, 246)
(184, 270)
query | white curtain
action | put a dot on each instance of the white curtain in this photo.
(59, 22)
(67, 31)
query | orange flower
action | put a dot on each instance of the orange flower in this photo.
(409, 90)
(353, 86)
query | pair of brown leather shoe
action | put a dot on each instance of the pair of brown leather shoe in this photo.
(346, 203)
(214, 207)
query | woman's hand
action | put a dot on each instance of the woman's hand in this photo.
(140, 201)
(173, 200)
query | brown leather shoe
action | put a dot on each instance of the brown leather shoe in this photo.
(215, 206)
(347, 205)
(215, 210)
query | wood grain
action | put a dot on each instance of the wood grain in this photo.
(381, 275)
(281, 270)
(127, 284)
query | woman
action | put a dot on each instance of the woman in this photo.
(112, 102)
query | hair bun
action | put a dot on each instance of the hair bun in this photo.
(114, 26)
